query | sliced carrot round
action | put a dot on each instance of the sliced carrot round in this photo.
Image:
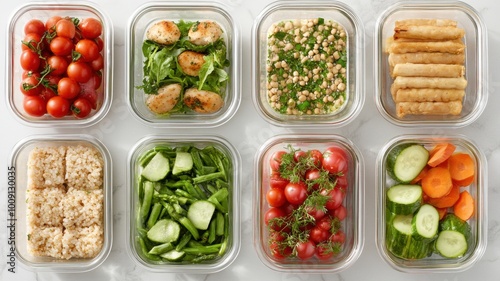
(437, 182)
(461, 166)
(464, 207)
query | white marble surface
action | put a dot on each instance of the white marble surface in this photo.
(247, 132)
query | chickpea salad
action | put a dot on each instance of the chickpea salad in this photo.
(307, 67)
(184, 67)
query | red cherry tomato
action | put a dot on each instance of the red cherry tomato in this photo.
(316, 156)
(58, 65)
(30, 60)
(31, 41)
(98, 63)
(270, 215)
(318, 234)
(335, 198)
(316, 213)
(296, 193)
(34, 105)
(58, 107)
(68, 88)
(100, 43)
(65, 28)
(47, 93)
(298, 155)
(311, 176)
(91, 28)
(305, 250)
(81, 108)
(51, 23)
(277, 182)
(324, 251)
(30, 86)
(80, 71)
(279, 251)
(325, 223)
(34, 26)
(88, 49)
(276, 197)
(335, 162)
(61, 46)
(275, 161)
(340, 212)
(338, 237)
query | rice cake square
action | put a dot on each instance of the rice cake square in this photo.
(46, 167)
(84, 168)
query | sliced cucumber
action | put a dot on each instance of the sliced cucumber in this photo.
(425, 223)
(404, 199)
(183, 163)
(401, 242)
(173, 255)
(451, 244)
(452, 222)
(200, 214)
(164, 231)
(157, 168)
(405, 162)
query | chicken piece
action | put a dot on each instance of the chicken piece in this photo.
(190, 62)
(203, 101)
(165, 100)
(204, 32)
(164, 32)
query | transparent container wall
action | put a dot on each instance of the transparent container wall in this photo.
(475, 61)
(19, 160)
(334, 11)
(175, 11)
(478, 223)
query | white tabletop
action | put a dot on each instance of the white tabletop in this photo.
(369, 131)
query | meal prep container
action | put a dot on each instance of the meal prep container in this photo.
(19, 160)
(476, 61)
(139, 23)
(478, 221)
(14, 71)
(352, 225)
(291, 10)
(234, 180)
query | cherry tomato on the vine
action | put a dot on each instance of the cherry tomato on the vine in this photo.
(51, 23)
(335, 162)
(30, 60)
(80, 71)
(81, 108)
(58, 65)
(275, 161)
(61, 46)
(30, 86)
(88, 49)
(65, 28)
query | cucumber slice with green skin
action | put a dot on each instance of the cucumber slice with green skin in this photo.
(183, 163)
(173, 255)
(157, 168)
(405, 162)
(401, 242)
(200, 213)
(404, 199)
(451, 244)
(452, 222)
(425, 223)
(164, 231)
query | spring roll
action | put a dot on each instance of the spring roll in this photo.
(428, 108)
(432, 22)
(428, 70)
(435, 58)
(428, 32)
(402, 82)
(429, 95)
(451, 47)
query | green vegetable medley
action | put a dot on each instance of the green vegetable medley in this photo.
(184, 196)
(161, 66)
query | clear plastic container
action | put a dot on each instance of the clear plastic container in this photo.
(19, 164)
(138, 24)
(133, 205)
(354, 84)
(478, 222)
(14, 71)
(476, 61)
(352, 225)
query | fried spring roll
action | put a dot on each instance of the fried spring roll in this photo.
(426, 58)
(428, 70)
(428, 108)
(451, 47)
(428, 32)
(429, 95)
(432, 22)
(402, 82)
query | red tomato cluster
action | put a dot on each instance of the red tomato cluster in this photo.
(62, 62)
(305, 198)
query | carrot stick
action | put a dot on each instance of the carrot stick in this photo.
(464, 207)
(440, 153)
(442, 212)
(461, 166)
(437, 182)
(420, 175)
(466, 182)
(448, 200)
